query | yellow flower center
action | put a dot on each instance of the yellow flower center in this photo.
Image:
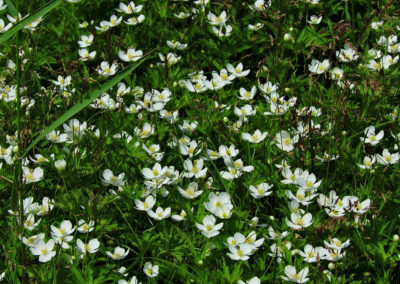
(287, 141)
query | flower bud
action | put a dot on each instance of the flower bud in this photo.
(396, 238)
(200, 262)
(60, 165)
(226, 119)
(344, 132)
(331, 266)
(287, 37)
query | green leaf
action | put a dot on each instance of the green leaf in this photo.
(28, 20)
(11, 8)
(86, 101)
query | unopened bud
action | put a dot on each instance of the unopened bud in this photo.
(287, 37)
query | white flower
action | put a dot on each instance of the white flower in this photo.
(130, 8)
(63, 234)
(312, 254)
(160, 213)
(132, 281)
(217, 20)
(86, 41)
(91, 247)
(220, 33)
(30, 242)
(194, 169)
(107, 70)
(255, 27)
(336, 244)
(240, 251)
(347, 54)
(301, 196)
(133, 21)
(376, 25)
(276, 236)
(371, 137)
(261, 5)
(260, 190)
(298, 221)
(176, 45)
(368, 162)
(85, 55)
(119, 253)
(191, 191)
(326, 157)
(148, 204)
(150, 270)
(292, 276)
(62, 82)
(2, 7)
(314, 20)
(285, 142)
(362, 207)
(55, 137)
(387, 61)
(247, 95)
(131, 55)
(182, 15)
(109, 178)
(145, 132)
(171, 58)
(308, 182)
(374, 65)
(180, 217)
(386, 158)
(30, 175)
(319, 67)
(4, 27)
(85, 227)
(244, 111)
(209, 228)
(238, 70)
(336, 73)
(257, 137)
(114, 21)
(226, 152)
(43, 250)
(198, 87)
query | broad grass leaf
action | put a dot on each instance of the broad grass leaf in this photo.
(28, 20)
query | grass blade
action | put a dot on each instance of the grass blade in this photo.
(86, 101)
(11, 8)
(36, 15)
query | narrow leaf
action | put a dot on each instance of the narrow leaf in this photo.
(28, 20)
(11, 8)
(86, 101)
